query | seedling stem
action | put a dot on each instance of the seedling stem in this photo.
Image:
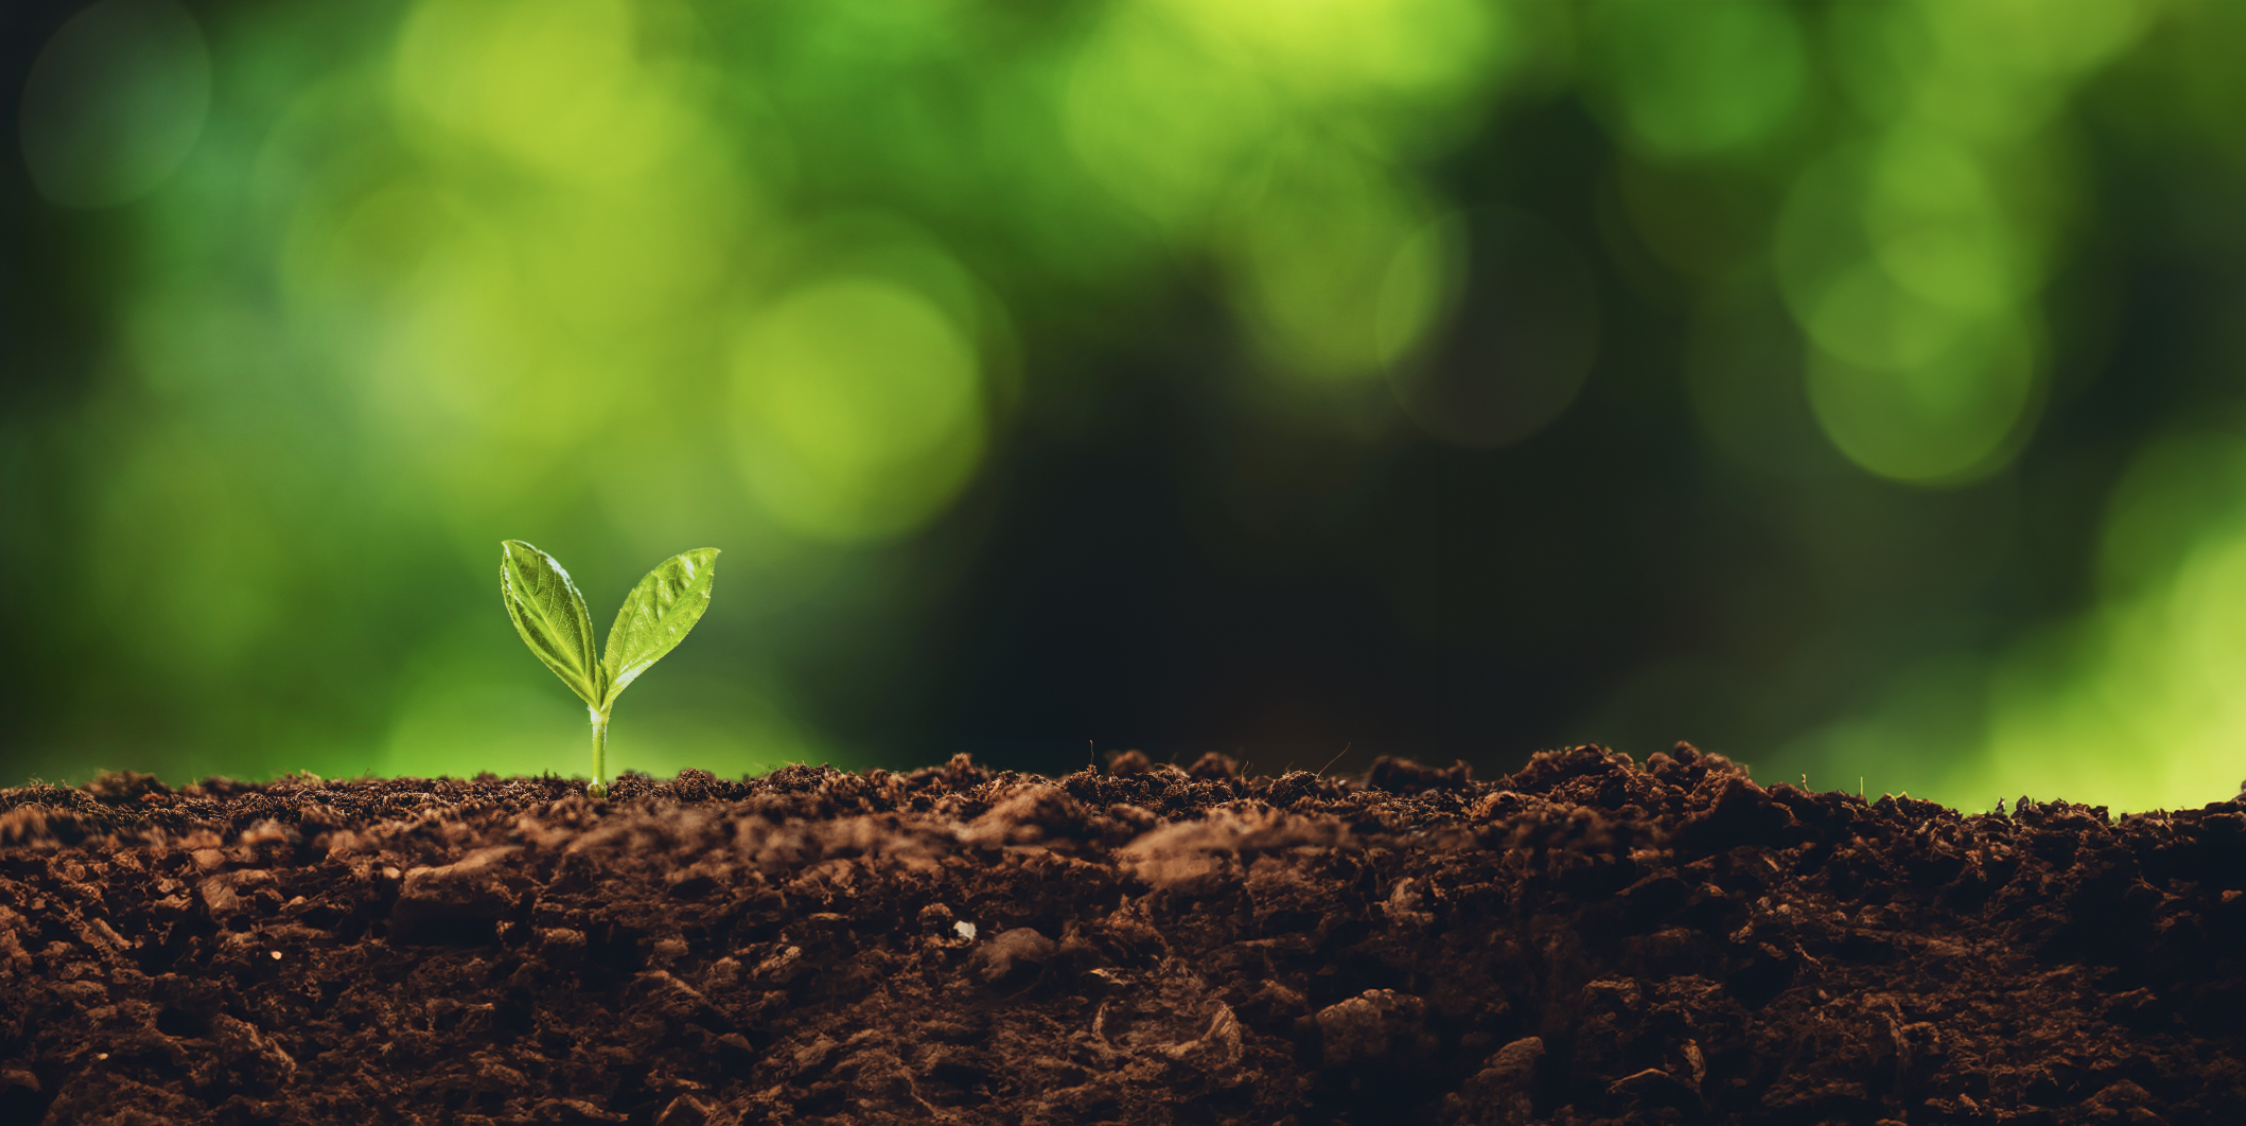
(599, 789)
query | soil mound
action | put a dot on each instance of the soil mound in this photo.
(1585, 941)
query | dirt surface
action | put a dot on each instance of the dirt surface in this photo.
(1586, 941)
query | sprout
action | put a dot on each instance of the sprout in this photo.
(550, 615)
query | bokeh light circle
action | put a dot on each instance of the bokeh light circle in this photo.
(1938, 226)
(1701, 78)
(1350, 49)
(115, 102)
(1914, 290)
(857, 409)
(1946, 406)
(557, 85)
(1328, 249)
(1518, 332)
(1159, 123)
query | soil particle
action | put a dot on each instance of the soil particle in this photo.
(1587, 941)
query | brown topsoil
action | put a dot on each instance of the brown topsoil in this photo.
(1585, 941)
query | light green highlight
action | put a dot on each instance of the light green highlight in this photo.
(857, 407)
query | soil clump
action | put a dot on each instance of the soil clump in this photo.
(1585, 941)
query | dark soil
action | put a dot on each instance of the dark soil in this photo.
(1585, 941)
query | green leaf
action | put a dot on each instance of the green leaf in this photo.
(656, 616)
(550, 615)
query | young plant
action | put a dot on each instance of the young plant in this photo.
(550, 615)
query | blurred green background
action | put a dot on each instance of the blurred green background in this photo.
(1857, 389)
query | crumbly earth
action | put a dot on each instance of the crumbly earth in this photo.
(1585, 941)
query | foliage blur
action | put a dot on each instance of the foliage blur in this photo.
(1854, 388)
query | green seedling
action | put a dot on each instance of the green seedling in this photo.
(550, 615)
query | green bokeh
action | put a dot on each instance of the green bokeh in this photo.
(362, 288)
(1697, 80)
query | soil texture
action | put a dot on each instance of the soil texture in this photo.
(1586, 941)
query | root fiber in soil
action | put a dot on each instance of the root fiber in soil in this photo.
(1585, 941)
